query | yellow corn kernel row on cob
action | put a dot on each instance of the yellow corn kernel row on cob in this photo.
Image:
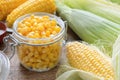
(85, 58)
(29, 7)
(6, 6)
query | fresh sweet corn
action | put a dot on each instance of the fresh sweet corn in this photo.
(6, 6)
(86, 58)
(29, 7)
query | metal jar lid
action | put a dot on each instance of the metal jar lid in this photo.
(4, 66)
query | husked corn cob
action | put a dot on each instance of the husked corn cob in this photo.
(6, 6)
(88, 59)
(29, 7)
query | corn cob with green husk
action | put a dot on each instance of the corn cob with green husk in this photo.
(29, 7)
(90, 27)
(101, 8)
(89, 59)
(6, 6)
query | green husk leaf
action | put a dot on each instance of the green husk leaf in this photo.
(66, 72)
(116, 58)
(116, 1)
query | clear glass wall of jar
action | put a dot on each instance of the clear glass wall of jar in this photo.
(4, 66)
(39, 54)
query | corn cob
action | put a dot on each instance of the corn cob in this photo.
(88, 59)
(6, 6)
(29, 7)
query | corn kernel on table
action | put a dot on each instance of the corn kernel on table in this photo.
(18, 72)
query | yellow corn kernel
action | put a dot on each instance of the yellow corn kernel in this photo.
(44, 66)
(47, 33)
(57, 29)
(32, 17)
(27, 24)
(30, 6)
(21, 25)
(31, 49)
(32, 60)
(39, 49)
(24, 30)
(28, 64)
(38, 65)
(30, 54)
(6, 6)
(37, 56)
(43, 56)
(50, 30)
(53, 23)
(45, 18)
(33, 65)
(88, 59)
(26, 20)
(51, 64)
(50, 56)
(24, 61)
(54, 32)
(46, 61)
(40, 27)
(33, 35)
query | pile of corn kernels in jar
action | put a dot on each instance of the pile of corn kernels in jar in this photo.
(39, 57)
(38, 27)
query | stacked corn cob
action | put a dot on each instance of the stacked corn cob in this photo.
(86, 58)
(29, 7)
(6, 6)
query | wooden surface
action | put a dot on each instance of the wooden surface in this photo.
(18, 72)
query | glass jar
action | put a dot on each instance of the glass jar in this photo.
(39, 54)
(4, 66)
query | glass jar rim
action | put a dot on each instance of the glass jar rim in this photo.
(55, 37)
